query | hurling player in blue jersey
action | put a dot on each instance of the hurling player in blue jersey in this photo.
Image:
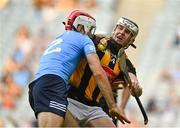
(48, 91)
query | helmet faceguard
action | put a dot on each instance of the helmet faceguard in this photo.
(130, 25)
(88, 23)
(78, 17)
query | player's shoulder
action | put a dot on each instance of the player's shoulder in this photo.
(100, 37)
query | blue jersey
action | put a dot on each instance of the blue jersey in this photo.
(63, 54)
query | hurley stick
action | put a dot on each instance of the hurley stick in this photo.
(124, 69)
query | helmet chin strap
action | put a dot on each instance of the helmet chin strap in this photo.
(74, 28)
(134, 46)
(131, 40)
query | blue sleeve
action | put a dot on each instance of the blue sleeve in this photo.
(89, 47)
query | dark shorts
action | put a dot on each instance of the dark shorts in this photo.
(48, 94)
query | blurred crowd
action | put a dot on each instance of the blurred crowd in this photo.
(49, 9)
(166, 103)
(28, 44)
(18, 68)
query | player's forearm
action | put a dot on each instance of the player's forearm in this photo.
(101, 79)
(106, 90)
(125, 97)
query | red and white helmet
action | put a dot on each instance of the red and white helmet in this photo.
(79, 17)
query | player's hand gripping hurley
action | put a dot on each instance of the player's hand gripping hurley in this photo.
(124, 69)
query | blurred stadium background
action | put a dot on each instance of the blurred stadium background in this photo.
(27, 26)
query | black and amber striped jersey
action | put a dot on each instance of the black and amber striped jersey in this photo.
(83, 85)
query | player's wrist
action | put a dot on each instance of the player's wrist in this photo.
(112, 109)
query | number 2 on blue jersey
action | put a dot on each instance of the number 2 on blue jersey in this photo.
(50, 49)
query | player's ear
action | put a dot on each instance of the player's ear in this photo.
(80, 28)
(132, 40)
(113, 31)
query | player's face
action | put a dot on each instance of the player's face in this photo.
(121, 35)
